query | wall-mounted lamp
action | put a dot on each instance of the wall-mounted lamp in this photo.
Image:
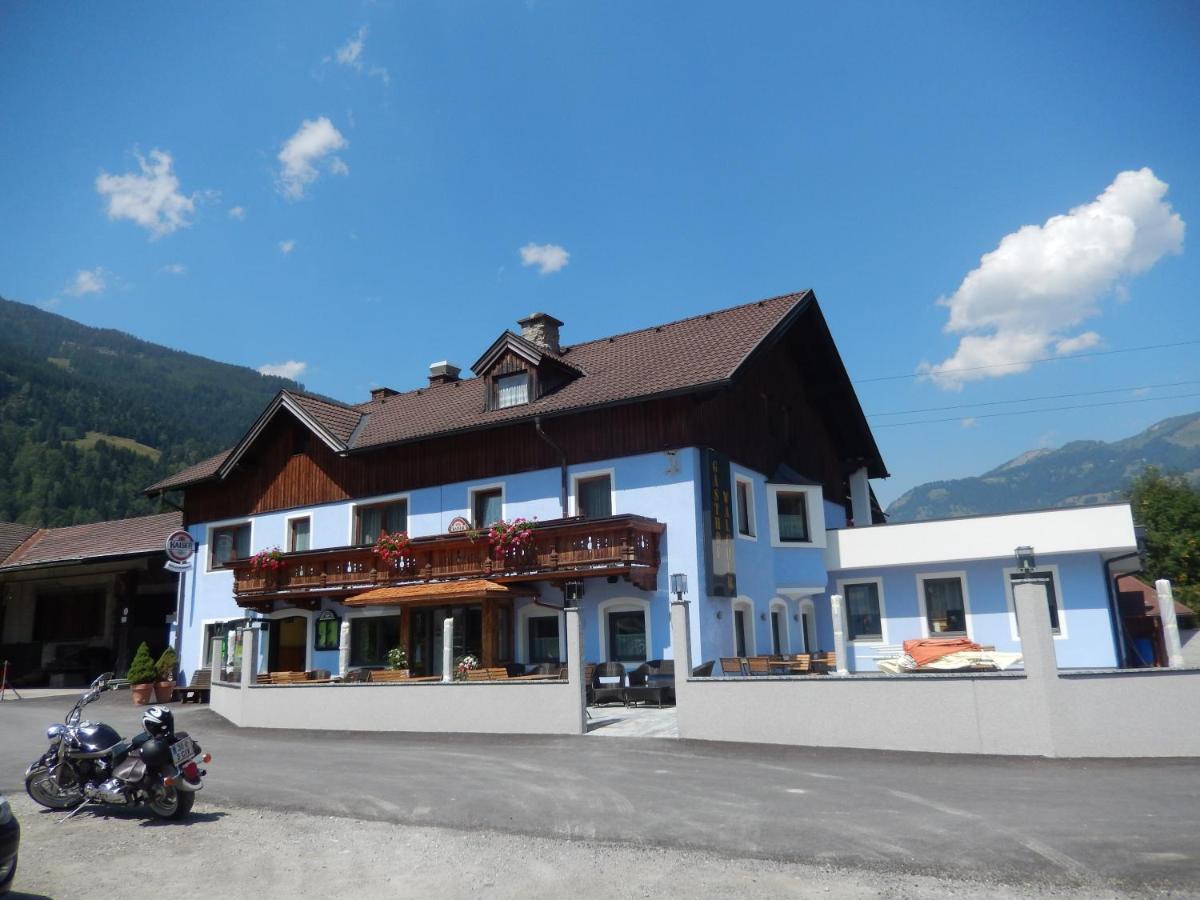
(762, 617)
(718, 614)
(679, 585)
(573, 590)
(1025, 560)
(795, 617)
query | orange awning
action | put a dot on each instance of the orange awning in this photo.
(475, 589)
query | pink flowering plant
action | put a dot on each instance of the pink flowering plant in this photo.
(392, 547)
(506, 537)
(268, 560)
(464, 665)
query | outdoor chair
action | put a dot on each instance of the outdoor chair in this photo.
(608, 691)
(197, 688)
(318, 674)
(732, 665)
(758, 665)
(384, 676)
(704, 670)
(801, 664)
(356, 675)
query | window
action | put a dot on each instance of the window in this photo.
(777, 632)
(791, 509)
(371, 520)
(487, 506)
(371, 638)
(543, 639)
(739, 632)
(593, 496)
(222, 630)
(745, 506)
(945, 608)
(229, 543)
(1048, 580)
(864, 619)
(627, 636)
(511, 390)
(298, 535)
(328, 628)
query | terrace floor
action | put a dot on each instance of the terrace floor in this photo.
(633, 721)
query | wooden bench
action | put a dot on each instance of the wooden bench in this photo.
(197, 688)
(496, 673)
(381, 676)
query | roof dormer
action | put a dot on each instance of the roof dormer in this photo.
(522, 368)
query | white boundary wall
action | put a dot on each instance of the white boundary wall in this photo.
(1109, 713)
(481, 707)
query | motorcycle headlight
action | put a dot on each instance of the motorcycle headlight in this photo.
(54, 732)
(5, 812)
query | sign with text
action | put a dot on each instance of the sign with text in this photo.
(458, 525)
(716, 498)
(180, 547)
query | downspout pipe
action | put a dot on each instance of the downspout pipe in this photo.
(1114, 607)
(562, 457)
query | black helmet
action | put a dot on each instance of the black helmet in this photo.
(159, 721)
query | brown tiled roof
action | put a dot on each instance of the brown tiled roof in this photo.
(120, 537)
(12, 535)
(660, 360)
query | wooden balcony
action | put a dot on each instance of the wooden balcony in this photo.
(562, 549)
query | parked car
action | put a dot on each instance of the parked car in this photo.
(10, 838)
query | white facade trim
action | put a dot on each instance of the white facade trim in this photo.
(533, 611)
(752, 515)
(1104, 529)
(621, 604)
(286, 543)
(375, 501)
(746, 605)
(814, 505)
(291, 613)
(576, 477)
(922, 577)
(1012, 609)
(808, 608)
(210, 527)
(883, 619)
(479, 489)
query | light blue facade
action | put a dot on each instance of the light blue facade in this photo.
(790, 581)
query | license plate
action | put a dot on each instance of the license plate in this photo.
(182, 751)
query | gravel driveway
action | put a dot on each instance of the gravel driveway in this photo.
(234, 852)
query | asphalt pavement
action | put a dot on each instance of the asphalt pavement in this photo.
(1124, 825)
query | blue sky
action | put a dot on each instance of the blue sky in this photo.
(657, 160)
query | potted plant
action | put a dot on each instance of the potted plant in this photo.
(392, 548)
(464, 665)
(507, 538)
(164, 687)
(397, 660)
(141, 676)
(267, 564)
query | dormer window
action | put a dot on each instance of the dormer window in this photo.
(511, 390)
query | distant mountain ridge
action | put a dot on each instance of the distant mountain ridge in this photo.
(1076, 474)
(90, 416)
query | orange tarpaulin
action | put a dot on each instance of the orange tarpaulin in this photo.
(926, 650)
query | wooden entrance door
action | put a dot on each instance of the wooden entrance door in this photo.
(289, 645)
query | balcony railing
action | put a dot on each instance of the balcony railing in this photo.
(560, 549)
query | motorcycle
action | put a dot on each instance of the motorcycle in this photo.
(88, 762)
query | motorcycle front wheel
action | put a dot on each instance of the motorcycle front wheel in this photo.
(45, 790)
(172, 804)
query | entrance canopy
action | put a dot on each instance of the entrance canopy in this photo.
(445, 591)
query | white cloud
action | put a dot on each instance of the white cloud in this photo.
(151, 198)
(547, 257)
(313, 141)
(351, 54)
(1042, 281)
(969, 422)
(174, 269)
(286, 247)
(237, 212)
(292, 369)
(86, 281)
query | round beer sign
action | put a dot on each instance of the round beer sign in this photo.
(180, 546)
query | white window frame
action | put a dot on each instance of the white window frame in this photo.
(1011, 600)
(309, 635)
(287, 531)
(512, 375)
(779, 605)
(883, 621)
(479, 489)
(576, 477)
(815, 504)
(807, 606)
(349, 614)
(747, 604)
(204, 623)
(533, 611)
(624, 604)
(751, 514)
(406, 496)
(209, 528)
(961, 575)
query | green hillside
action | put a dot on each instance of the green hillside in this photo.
(89, 417)
(1076, 474)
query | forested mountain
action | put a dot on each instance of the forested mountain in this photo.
(89, 416)
(1077, 473)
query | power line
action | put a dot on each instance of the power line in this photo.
(1140, 387)
(1025, 412)
(1029, 362)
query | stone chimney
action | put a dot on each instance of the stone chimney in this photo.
(382, 393)
(542, 329)
(443, 373)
